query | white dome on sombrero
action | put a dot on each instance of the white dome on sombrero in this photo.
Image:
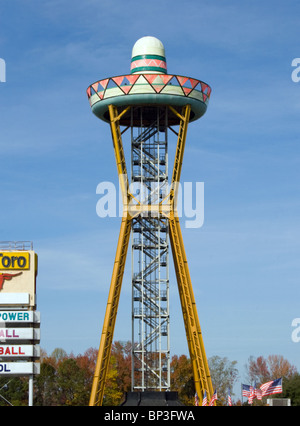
(148, 56)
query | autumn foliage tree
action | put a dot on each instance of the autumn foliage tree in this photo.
(64, 379)
(182, 379)
(67, 379)
(261, 370)
(122, 353)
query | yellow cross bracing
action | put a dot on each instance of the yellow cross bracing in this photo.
(166, 208)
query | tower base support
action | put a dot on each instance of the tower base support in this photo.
(151, 399)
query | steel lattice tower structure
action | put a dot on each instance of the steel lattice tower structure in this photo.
(150, 254)
(147, 104)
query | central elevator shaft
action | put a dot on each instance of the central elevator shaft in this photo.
(150, 252)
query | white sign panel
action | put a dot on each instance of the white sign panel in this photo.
(11, 334)
(19, 368)
(19, 351)
(20, 316)
(14, 299)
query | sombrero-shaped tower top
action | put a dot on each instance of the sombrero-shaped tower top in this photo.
(148, 57)
(148, 85)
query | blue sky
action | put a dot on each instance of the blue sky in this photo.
(244, 261)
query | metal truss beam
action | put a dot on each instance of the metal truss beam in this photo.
(102, 364)
(201, 372)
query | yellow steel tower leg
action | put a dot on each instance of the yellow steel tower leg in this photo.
(102, 364)
(201, 372)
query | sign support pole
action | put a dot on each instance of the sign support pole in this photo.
(30, 391)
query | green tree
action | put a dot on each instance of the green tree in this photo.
(14, 391)
(58, 355)
(224, 374)
(46, 386)
(291, 389)
(64, 379)
(71, 383)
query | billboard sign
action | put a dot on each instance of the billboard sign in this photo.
(19, 320)
(23, 317)
(12, 334)
(16, 261)
(18, 271)
(19, 368)
(20, 351)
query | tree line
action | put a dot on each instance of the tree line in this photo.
(66, 380)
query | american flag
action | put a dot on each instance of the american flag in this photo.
(196, 399)
(204, 402)
(229, 398)
(246, 390)
(272, 387)
(258, 393)
(213, 398)
(249, 392)
(252, 395)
